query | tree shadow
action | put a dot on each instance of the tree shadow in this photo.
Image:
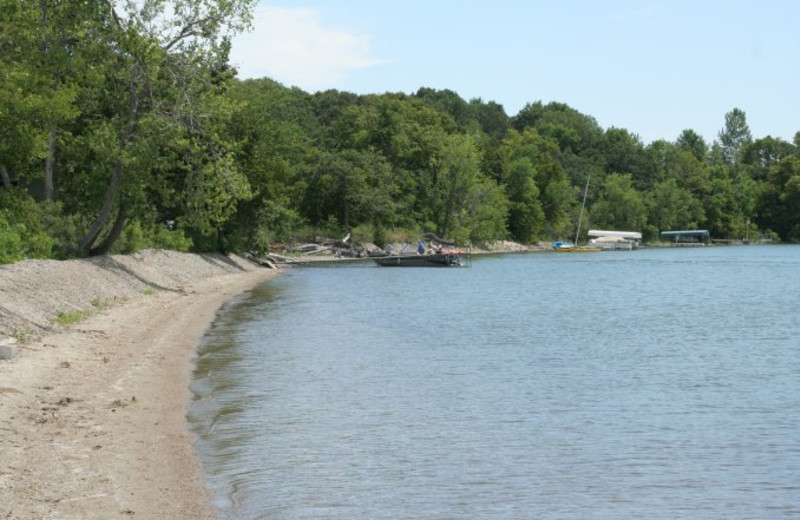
(218, 259)
(110, 264)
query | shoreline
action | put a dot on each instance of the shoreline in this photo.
(93, 414)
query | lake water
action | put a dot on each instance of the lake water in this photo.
(655, 384)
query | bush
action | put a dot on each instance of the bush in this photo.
(136, 237)
(22, 228)
(11, 249)
(174, 239)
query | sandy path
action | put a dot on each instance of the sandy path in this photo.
(92, 419)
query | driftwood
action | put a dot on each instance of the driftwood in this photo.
(262, 261)
(316, 250)
(432, 237)
(280, 259)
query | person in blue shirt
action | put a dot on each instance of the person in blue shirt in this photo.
(420, 247)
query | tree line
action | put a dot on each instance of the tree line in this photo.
(125, 126)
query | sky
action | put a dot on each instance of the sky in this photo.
(653, 68)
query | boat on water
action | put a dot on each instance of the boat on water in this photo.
(569, 247)
(572, 247)
(443, 259)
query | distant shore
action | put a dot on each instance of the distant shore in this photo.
(93, 413)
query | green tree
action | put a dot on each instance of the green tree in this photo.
(778, 200)
(275, 128)
(672, 207)
(691, 141)
(734, 136)
(762, 154)
(526, 217)
(351, 186)
(38, 39)
(557, 197)
(468, 205)
(623, 151)
(620, 205)
(161, 77)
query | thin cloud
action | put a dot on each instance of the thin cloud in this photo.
(293, 47)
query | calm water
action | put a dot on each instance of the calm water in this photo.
(656, 384)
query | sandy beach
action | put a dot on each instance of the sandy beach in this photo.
(93, 414)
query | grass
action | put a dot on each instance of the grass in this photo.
(149, 291)
(74, 316)
(70, 317)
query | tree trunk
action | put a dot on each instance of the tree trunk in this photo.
(86, 243)
(6, 177)
(113, 235)
(48, 166)
(449, 204)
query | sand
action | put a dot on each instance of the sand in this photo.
(93, 414)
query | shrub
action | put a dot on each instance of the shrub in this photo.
(22, 229)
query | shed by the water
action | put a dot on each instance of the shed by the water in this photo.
(615, 240)
(692, 236)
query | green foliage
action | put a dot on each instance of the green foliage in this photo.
(22, 228)
(131, 120)
(692, 142)
(620, 205)
(778, 200)
(162, 237)
(11, 244)
(734, 136)
(672, 207)
(375, 234)
(70, 317)
(131, 240)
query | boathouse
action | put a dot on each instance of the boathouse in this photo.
(694, 236)
(615, 240)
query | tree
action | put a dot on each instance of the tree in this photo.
(671, 207)
(526, 217)
(778, 200)
(734, 136)
(624, 154)
(762, 154)
(167, 57)
(468, 205)
(351, 186)
(278, 136)
(557, 197)
(620, 206)
(692, 142)
(36, 92)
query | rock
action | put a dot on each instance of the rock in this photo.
(8, 348)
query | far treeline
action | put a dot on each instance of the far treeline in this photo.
(124, 127)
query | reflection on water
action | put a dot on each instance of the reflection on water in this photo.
(650, 384)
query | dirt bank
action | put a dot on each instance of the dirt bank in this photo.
(92, 415)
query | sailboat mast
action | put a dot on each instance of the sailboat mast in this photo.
(580, 218)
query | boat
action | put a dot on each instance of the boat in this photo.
(442, 259)
(570, 247)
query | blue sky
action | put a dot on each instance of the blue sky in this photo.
(654, 68)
